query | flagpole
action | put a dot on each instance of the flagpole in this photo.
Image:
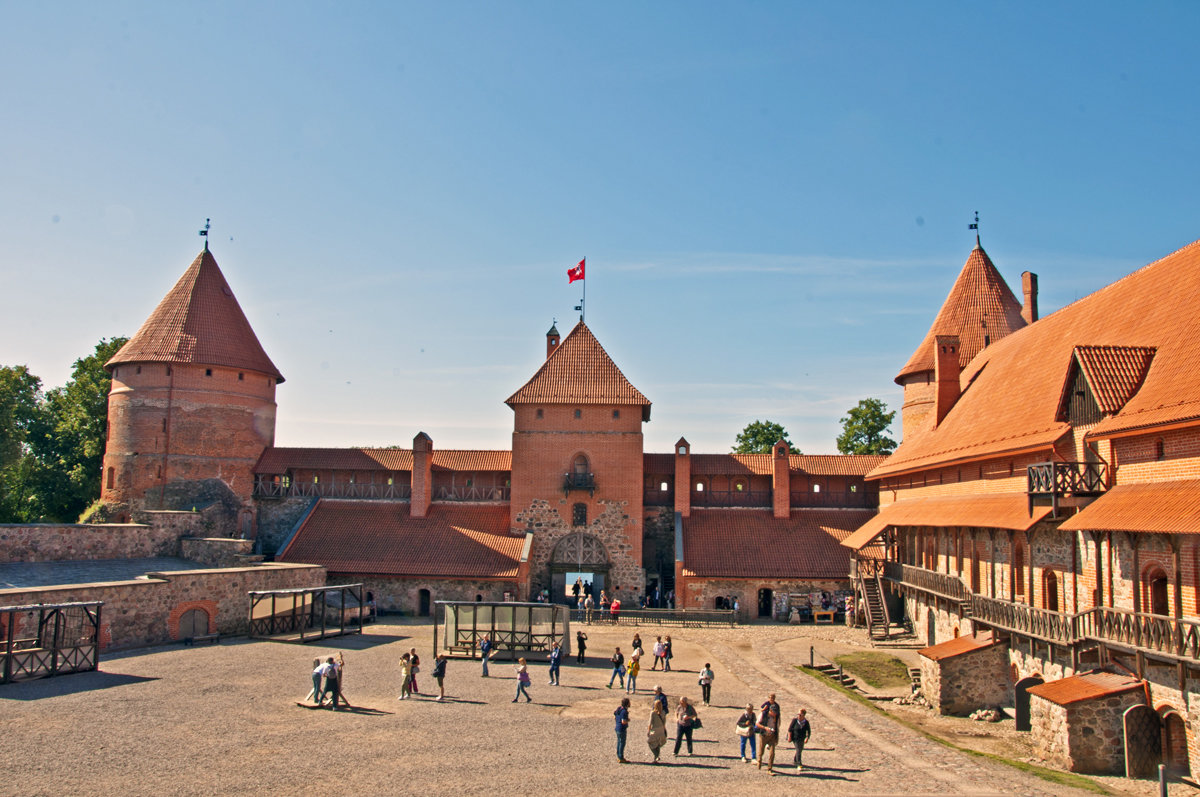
(583, 302)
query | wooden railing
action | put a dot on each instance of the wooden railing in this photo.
(1066, 478)
(840, 499)
(940, 584)
(656, 497)
(266, 487)
(1021, 618)
(472, 494)
(1154, 632)
(720, 498)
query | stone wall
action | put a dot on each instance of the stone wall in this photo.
(404, 594)
(946, 622)
(57, 543)
(276, 519)
(702, 593)
(612, 526)
(218, 552)
(1087, 736)
(146, 611)
(968, 682)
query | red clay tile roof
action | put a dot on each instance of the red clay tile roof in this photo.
(380, 538)
(1015, 385)
(1172, 506)
(281, 460)
(1085, 686)
(580, 371)
(1114, 372)
(198, 321)
(760, 464)
(979, 294)
(987, 511)
(752, 543)
(958, 646)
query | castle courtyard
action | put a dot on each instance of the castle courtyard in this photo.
(222, 719)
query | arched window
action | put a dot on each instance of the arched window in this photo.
(1156, 589)
(1050, 596)
(580, 466)
(110, 479)
(1019, 571)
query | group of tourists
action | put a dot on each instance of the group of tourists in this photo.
(758, 729)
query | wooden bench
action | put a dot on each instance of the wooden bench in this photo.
(192, 640)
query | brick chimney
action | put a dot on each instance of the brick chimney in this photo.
(551, 340)
(683, 478)
(781, 481)
(1029, 289)
(422, 475)
(946, 371)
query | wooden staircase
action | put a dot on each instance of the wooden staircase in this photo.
(878, 623)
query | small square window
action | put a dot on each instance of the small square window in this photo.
(663, 487)
(616, 414)
(816, 488)
(241, 376)
(168, 370)
(699, 487)
(578, 413)
(208, 372)
(539, 412)
(391, 481)
(138, 370)
(854, 488)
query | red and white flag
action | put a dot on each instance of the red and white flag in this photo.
(576, 273)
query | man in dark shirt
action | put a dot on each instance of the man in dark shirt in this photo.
(768, 726)
(622, 718)
(798, 733)
(618, 668)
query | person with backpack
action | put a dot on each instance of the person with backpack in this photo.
(439, 672)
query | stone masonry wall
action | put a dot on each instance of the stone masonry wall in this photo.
(217, 552)
(1087, 736)
(968, 682)
(404, 594)
(53, 543)
(612, 526)
(276, 519)
(140, 612)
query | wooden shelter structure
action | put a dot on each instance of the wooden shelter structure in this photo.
(308, 614)
(514, 627)
(49, 639)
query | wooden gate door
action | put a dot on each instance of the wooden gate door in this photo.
(1143, 742)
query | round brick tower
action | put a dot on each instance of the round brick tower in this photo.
(192, 404)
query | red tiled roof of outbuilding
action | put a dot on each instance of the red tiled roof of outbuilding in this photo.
(198, 321)
(281, 460)
(958, 646)
(752, 543)
(979, 294)
(1012, 390)
(580, 371)
(1085, 686)
(381, 538)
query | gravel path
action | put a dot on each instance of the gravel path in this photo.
(220, 719)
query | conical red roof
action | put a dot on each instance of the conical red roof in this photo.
(979, 294)
(580, 371)
(198, 321)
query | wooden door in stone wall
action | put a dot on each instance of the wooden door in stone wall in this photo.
(193, 623)
(1143, 742)
(1021, 701)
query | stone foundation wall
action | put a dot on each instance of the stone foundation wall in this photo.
(145, 611)
(217, 552)
(918, 609)
(968, 682)
(612, 526)
(404, 594)
(702, 593)
(55, 543)
(276, 519)
(1088, 736)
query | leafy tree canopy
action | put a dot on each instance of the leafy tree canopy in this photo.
(758, 438)
(52, 444)
(864, 427)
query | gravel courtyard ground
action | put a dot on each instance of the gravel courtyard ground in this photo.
(224, 719)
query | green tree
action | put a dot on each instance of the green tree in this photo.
(863, 429)
(70, 446)
(759, 437)
(20, 414)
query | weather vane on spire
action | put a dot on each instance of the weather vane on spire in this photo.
(204, 233)
(975, 227)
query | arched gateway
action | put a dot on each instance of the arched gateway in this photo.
(577, 555)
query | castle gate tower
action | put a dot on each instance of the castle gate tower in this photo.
(577, 469)
(192, 404)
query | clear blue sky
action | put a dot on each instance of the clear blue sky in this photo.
(773, 197)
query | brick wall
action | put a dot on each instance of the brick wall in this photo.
(404, 594)
(702, 593)
(185, 422)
